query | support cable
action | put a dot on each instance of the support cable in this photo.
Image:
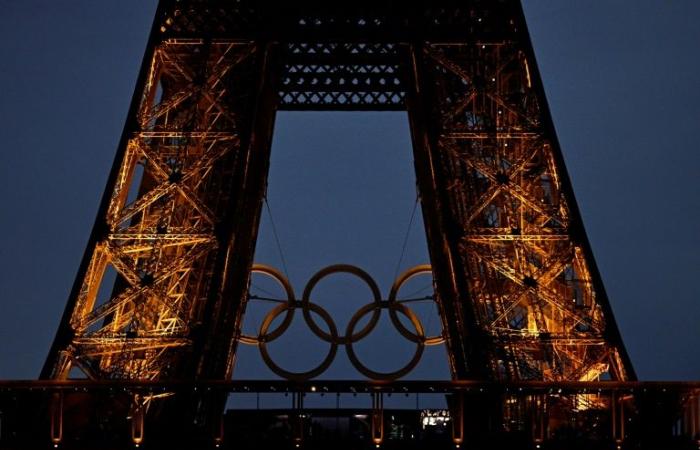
(277, 238)
(405, 239)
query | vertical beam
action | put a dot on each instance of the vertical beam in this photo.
(613, 414)
(377, 418)
(298, 418)
(218, 430)
(56, 418)
(138, 412)
(237, 234)
(694, 418)
(463, 336)
(617, 414)
(458, 419)
(538, 412)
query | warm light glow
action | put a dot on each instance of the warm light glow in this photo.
(529, 277)
(527, 73)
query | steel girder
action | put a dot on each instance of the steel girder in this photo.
(153, 274)
(530, 294)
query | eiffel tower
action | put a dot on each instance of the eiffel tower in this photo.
(519, 293)
(162, 288)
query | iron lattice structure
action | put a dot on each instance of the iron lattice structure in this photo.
(517, 287)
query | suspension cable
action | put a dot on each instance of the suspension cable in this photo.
(277, 238)
(405, 239)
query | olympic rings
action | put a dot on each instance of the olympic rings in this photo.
(393, 305)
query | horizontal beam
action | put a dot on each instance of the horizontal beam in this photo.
(349, 386)
(341, 107)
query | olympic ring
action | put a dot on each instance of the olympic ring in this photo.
(393, 304)
(342, 268)
(291, 302)
(299, 376)
(386, 375)
(405, 332)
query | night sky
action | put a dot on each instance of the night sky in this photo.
(622, 82)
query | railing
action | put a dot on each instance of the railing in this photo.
(566, 415)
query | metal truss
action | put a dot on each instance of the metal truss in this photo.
(532, 294)
(340, 76)
(163, 216)
(162, 289)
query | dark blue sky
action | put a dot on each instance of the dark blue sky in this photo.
(623, 85)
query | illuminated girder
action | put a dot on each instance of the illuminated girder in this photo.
(515, 279)
(162, 225)
(521, 248)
